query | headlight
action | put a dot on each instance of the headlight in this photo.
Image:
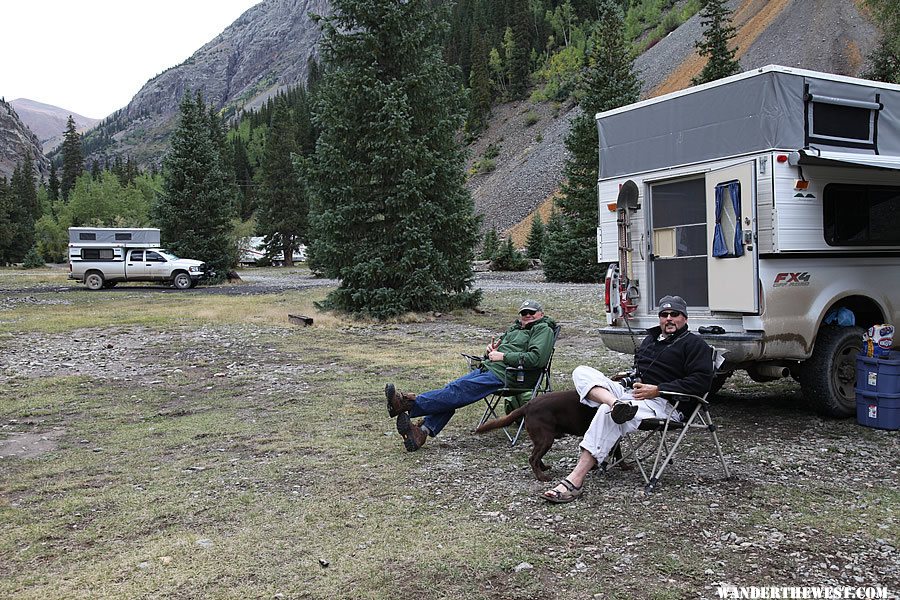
(194, 269)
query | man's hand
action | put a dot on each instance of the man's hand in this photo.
(495, 356)
(644, 391)
(491, 347)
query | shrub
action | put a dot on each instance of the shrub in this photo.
(509, 259)
(531, 118)
(33, 259)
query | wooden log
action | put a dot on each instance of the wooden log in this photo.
(300, 320)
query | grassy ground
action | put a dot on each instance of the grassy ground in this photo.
(198, 446)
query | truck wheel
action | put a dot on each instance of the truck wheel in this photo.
(182, 281)
(828, 377)
(94, 280)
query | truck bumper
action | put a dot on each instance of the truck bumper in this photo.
(739, 347)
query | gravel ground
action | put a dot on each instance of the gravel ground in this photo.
(812, 501)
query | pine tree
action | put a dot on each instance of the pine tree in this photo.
(394, 220)
(884, 60)
(283, 201)
(570, 250)
(480, 86)
(520, 53)
(73, 159)
(6, 224)
(53, 185)
(23, 210)
(536, 237)
(508, 258)
(195, 211)
(490, 245)
(715, 18)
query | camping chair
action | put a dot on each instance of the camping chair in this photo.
(514, 394)
(662, 452)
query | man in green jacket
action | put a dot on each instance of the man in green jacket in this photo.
(527, 343)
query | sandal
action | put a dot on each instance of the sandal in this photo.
(572, 492)
(622, 412)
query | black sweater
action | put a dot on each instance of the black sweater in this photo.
(680, 363)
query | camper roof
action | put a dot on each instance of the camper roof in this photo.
(771, 108)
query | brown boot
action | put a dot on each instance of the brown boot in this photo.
(413, 435)
(397, 402)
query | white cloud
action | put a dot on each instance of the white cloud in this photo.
(92, 56)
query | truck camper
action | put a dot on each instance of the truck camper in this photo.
(770, 201)
(101, 257)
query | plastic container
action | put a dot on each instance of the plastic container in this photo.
(878, 374)
(881, 411)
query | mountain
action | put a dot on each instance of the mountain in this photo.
(17, 141)
(834, 37)
(265, 50)
(49, 122)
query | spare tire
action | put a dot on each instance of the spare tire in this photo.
(828, 377)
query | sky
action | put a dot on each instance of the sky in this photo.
(92, 56)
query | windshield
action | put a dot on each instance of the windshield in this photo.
(168, 255)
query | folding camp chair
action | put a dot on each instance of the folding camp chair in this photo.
(662, 456)
(513, 391)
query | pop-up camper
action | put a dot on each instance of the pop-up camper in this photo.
(769, 201)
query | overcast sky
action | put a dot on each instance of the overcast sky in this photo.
(92, 56)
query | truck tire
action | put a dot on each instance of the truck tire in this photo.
(94, 280)
(182, 281)
(828, 377)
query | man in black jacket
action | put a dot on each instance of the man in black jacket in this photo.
(670, 359)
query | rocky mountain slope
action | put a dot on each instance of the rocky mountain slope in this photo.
(833, 36)
(266, 49)
(16, 142)
(49, 122)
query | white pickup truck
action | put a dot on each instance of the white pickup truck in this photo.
(101, 257)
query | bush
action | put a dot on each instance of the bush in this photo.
(531, 118)
(509, 259)
(490, 245)
(33, 259)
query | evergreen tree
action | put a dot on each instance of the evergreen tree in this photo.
(194, 211)
(536, 237)
(490, 245)
(23, 210)
(480, 85)
(520, 52)
(32, 259)
(715, 18)
(53, 184)
(394, 220)
(6, 224)
(884, 61)
(284, 205)
(508, 258)
(570, 250)
(72, 159)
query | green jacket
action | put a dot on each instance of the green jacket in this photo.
(529, 346)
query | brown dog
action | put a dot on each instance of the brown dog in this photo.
(547, 417)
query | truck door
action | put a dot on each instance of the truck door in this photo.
(731, 238)
(135, 267)
(156, 265)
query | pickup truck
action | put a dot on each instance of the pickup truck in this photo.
(101, 263)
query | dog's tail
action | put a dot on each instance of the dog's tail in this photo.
(499, 422)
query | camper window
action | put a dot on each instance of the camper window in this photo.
(96, 253)
(840, 122)
(123, 237)
(87, 237)
(861, 215)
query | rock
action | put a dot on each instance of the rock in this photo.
(523, 566)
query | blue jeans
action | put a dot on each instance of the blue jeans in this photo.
(438, 406)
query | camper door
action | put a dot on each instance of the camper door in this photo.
(731, 234)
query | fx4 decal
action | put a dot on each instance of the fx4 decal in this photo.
(791, 279)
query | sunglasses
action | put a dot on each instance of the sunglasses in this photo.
(669, 313)
(526, 313)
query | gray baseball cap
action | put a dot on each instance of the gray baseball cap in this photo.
(531, 305)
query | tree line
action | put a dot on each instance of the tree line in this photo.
(364, 164)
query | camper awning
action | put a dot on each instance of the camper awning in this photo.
(824, 158)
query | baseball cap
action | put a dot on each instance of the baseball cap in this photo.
(531, 305)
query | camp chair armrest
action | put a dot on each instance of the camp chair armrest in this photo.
(473, 361)
(679, 396)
